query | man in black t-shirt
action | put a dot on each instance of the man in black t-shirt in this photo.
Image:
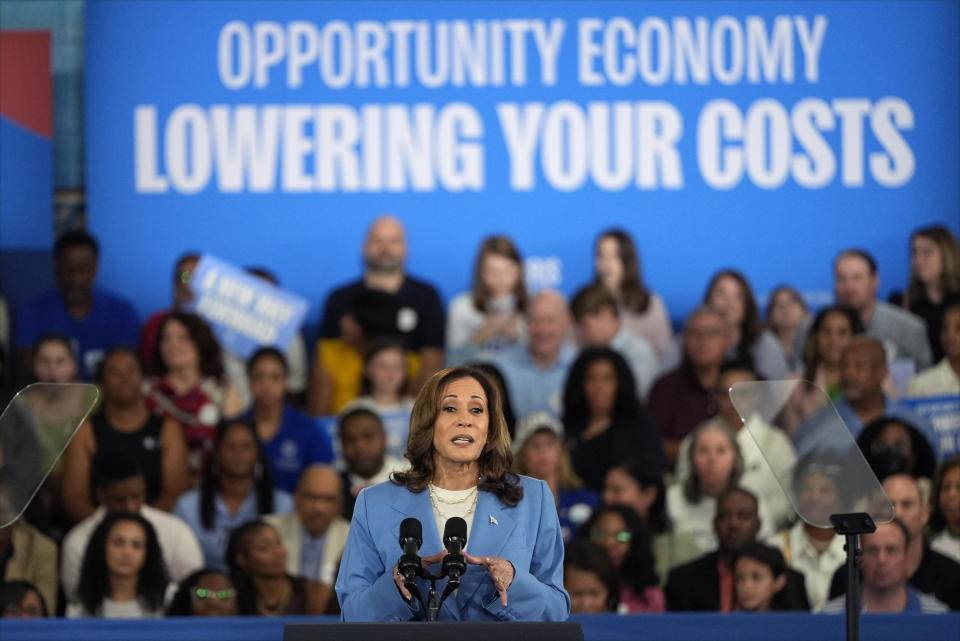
(419, 318)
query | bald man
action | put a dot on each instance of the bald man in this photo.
(535, 372)
(314, 533)
(926, 569)
(419, 318)
(863, 367)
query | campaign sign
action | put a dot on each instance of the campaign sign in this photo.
(245, 312)
(943, 412)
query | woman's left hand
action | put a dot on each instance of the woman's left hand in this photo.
(501, 572)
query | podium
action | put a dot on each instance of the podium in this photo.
(443, 631)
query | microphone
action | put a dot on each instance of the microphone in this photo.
(411, 538)
(454, 539)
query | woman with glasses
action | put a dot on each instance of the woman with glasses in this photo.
(628, 542)
(205, 593)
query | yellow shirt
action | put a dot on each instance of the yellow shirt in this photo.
(345, 366)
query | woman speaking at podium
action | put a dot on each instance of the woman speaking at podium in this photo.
(459, 451)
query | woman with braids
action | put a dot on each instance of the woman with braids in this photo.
(460, 461)
(237, 487)
(123, 574)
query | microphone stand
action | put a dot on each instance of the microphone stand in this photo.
(852, 526)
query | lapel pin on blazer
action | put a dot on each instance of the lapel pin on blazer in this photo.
(493, 521)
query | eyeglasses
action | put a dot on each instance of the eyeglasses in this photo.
(599, 535)
(220, 595)
(185, 276)
(17, 610)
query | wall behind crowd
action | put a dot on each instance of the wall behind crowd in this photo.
(761, 135)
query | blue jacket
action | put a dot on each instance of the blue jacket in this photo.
(527, 535)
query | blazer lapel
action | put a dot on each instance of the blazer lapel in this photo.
(492, 528)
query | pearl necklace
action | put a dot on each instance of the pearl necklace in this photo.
(435, 500)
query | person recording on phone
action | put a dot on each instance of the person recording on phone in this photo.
(463, 512)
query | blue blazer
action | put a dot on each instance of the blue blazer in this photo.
(527, 535)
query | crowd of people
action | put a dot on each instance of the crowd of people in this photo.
(207, 484)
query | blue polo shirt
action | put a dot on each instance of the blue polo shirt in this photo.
(531, 388)
(110, 323)
(299, 442)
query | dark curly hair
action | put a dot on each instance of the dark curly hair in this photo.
(647, 472)
(210, 485)
(637, 570)
(590, 557)
(209, 354)
(576, 411)
(496, 459)
(237, 544)
(94, 584)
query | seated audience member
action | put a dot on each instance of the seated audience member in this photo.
(123, 576)
(759, 578)
(944, 524)
(188, 384)
(761, 446)
(934, 280)
(863, 368)
(124, 427)
(590, 578)
(338, 369)
(120, 487)
(832, 330)
(628, 541)
(364, 449)
(54, 360)
(292, 440)
(205, 593)
(943, 379)
(258, 565)
(314, 533)
(786, 311)
(237, 487)
(616, 265)
(889, 440)
(603, 418)
(535, 372)
(26, 555)
(384, 388)
(419, 320)
(901, 333)
(538, 453)
(815, 552)
(182, 295)
(708, 582)
(489, 317)
(716, 465)
(21, 600)
(637, 484)
(884, 586)
(730, 294)
(927, 570)
(683, 398)
(93, 319)
(597, 321)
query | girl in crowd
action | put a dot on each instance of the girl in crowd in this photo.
(236, 488)
(188, 386)
(124, 427)
(384, 391)
(205, 593)
(730, 294)
(590, 579)
(891, 444)
(291, 440)
(945, 513)
(635, 483)
(603, 418)
(21, 600)
(489, 317)
(616, 266)
(831, 332)
(628, 542)
(759, 576)
(934, 279)
(123, 575)
(785, 313)
(716, 465)
(258, 565)
(538, 448)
